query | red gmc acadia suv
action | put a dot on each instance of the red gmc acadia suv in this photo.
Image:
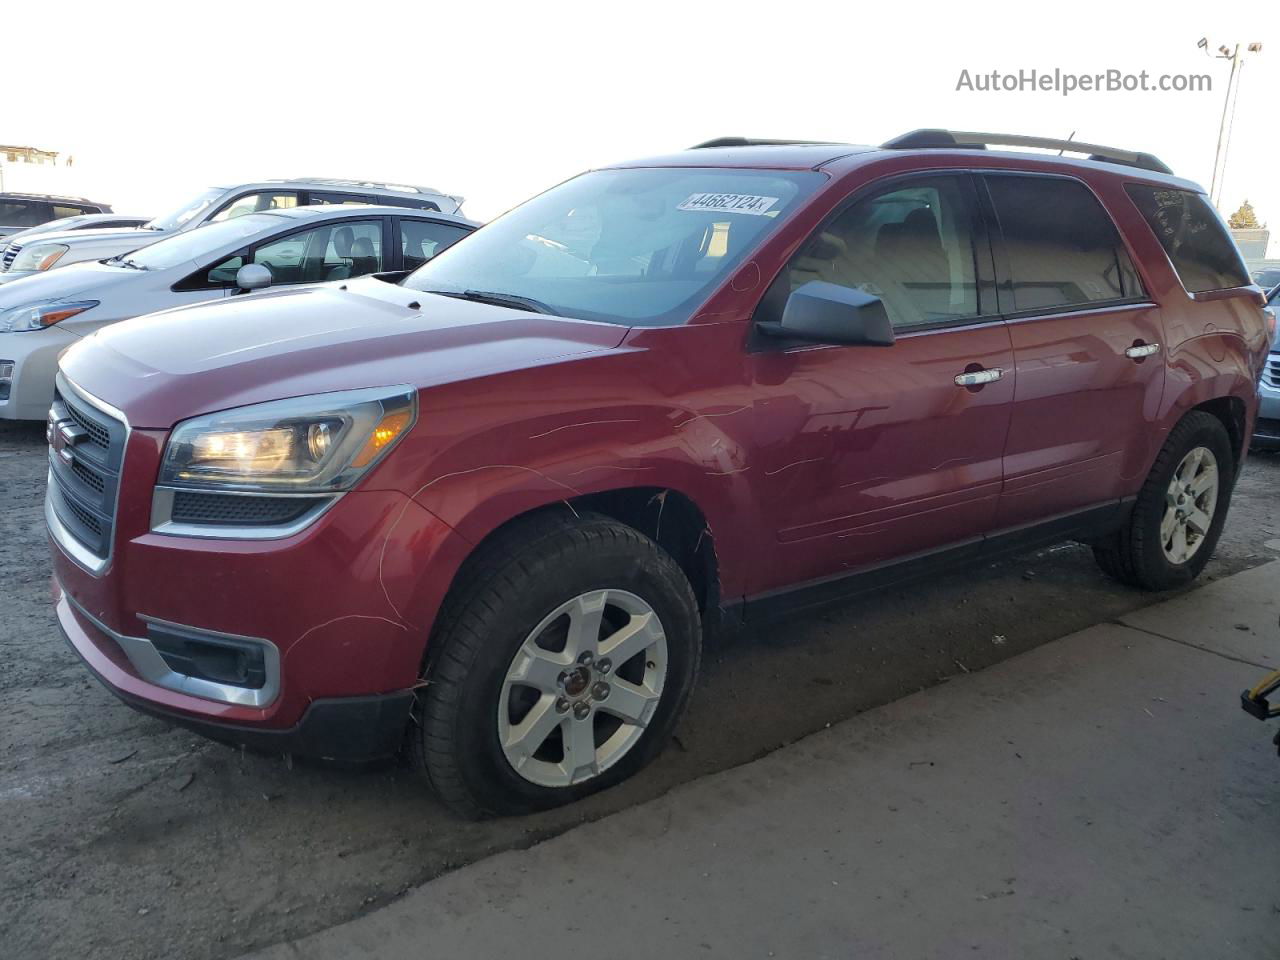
(486, 512)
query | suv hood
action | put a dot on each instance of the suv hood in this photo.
(171, 365)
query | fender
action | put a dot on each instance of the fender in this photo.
(586, 425)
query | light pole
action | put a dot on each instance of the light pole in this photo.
(1228, 110)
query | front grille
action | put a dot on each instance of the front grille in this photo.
(85, 461)
(238, 510)
(98, 434)
(1271, 374)
(10, 255)
(91, 479)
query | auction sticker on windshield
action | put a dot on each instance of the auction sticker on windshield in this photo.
(729, 203)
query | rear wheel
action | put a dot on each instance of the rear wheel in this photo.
(1180, 511)
(563, 660)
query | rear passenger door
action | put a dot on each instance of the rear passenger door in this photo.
(1086, 344)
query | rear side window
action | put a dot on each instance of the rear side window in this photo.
(420, 240)
(1062, 248)
(1192, 234)
(23, 213)
(60, 211)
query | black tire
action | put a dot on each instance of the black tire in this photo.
(502, 593)
(1135, 555)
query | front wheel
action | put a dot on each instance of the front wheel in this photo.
(563, 660)
(1179, 513)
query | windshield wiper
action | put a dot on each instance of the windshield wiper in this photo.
(124, 262)
(514, 301)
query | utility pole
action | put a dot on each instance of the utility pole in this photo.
(1228, 110)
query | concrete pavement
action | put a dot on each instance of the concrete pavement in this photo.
(1099, 796)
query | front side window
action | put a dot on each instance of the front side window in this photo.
(22, 213)
(642, 247)
(332, 251)
(420, 240)
(912, 246)
(1192, 234)
(255, 203)
(1063, 249)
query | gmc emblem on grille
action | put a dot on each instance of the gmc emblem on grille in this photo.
(66, 434)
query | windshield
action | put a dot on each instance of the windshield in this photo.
(194, 244)
(640, 247)
(195, 205)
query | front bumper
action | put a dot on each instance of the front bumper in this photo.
(34, 355)
(345, 607)
(343, 729)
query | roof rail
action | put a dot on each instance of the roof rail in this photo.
(373, 184)
(749, 142)
(924, 139)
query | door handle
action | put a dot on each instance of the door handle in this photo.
(1140, 350)
(976, 378)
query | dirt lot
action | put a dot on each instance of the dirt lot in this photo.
(124, 837)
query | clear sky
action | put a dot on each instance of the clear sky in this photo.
(496, 102)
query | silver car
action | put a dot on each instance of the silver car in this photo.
(43, 315)
(214, 205)
(83, 221)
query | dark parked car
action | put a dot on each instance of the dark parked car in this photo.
(490, 512)
(19, 211)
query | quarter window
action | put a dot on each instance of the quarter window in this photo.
(912, 246)
(1192, 235)
(1063, 250)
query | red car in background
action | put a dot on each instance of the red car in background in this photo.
(487, 513)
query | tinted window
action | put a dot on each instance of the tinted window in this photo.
(420, 240)
(22, 213)
(1191, 232)
(60, 211)
(339, 198)
(638, 246)
(913, 247)
(255, 203)
(1062, 247)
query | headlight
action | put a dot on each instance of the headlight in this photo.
(37, 316)
(39, 256)
(316, 444)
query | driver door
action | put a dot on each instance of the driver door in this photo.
(874, 454)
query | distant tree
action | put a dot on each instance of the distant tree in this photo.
(1245, 218)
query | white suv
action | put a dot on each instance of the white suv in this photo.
(47, 251)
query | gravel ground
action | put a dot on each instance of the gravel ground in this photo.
(125, 837)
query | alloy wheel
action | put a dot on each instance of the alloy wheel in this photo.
(582, 688)
(1190, 502)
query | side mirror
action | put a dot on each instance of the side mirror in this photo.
(253, 276)
(823, 312)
